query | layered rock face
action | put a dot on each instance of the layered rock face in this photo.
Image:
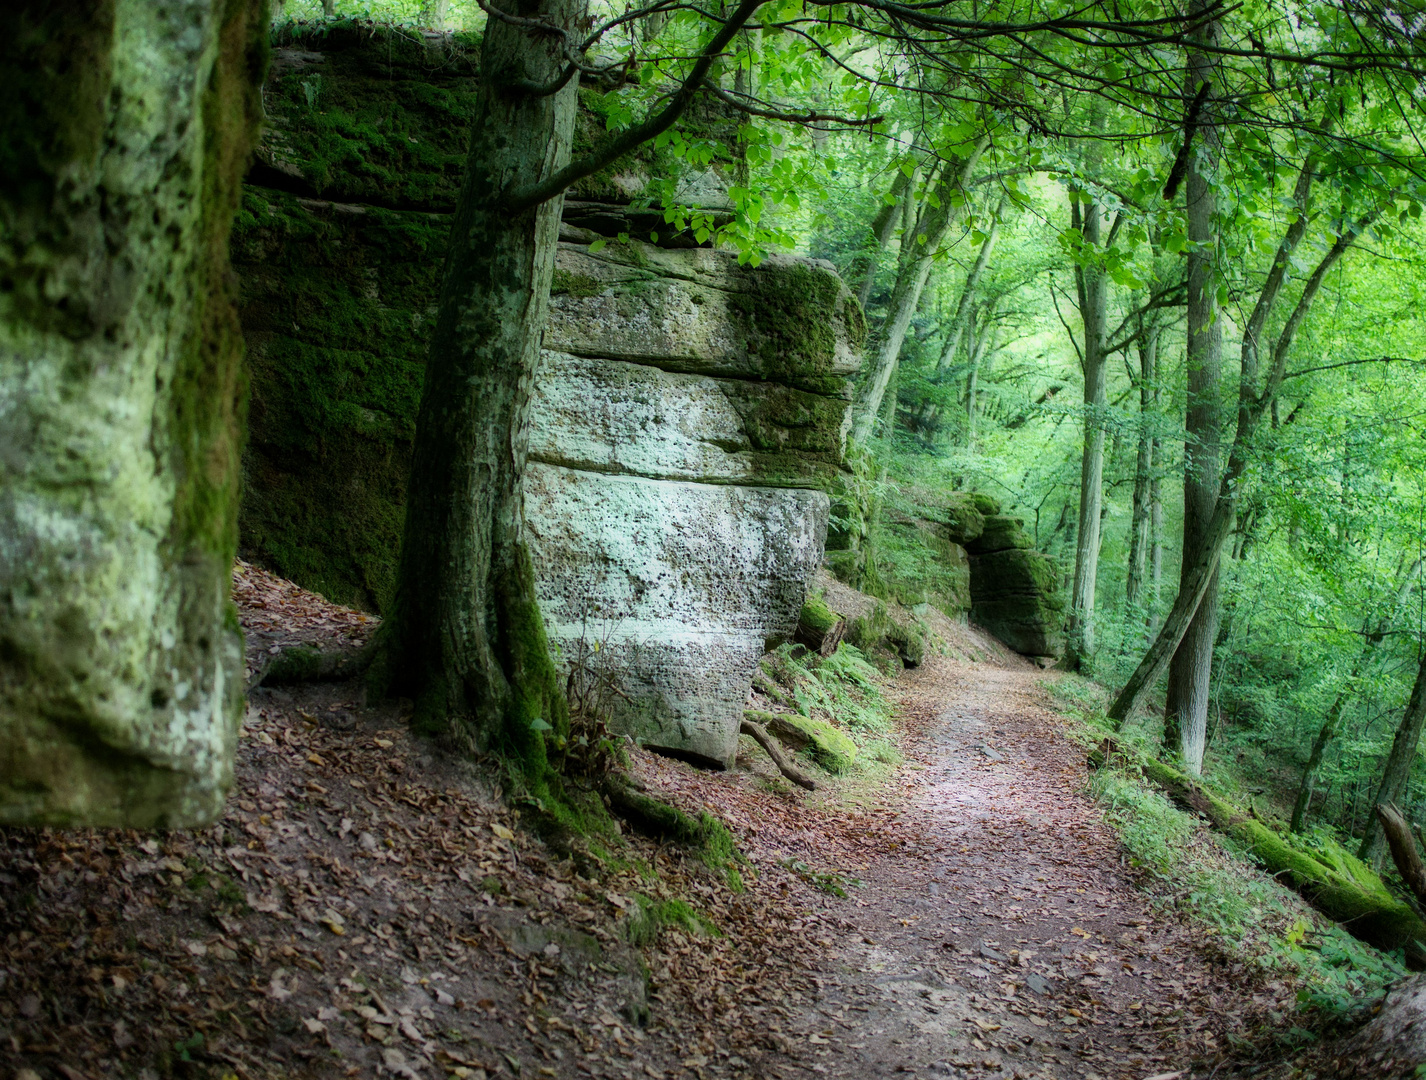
(990, 571)
(687, 416)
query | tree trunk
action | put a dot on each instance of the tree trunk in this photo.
(915, 268)
(432, 17)
(467, 642)
(1403, 849)
(1398, 766)
(1156, 529)
(1186, 715)
(127, 129)
(882, 228)
(1200, 570)
(981, 345)
(1093, 298)
(1140, 537)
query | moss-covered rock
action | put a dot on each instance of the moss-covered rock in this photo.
(828, 746)
(999, 532)
(335, 305)
(1016, 591)
(372, 115)
(1340, 886)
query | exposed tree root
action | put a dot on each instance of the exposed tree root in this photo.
(774, 751)
(650, 816)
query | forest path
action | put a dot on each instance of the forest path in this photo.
(1005, 938)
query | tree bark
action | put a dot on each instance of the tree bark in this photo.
(1140, 532)
(1093, 298)
(1403, 849)
(906, 294)
(1398, 766)
(1186, 714)
(127, 129)
(467, 642)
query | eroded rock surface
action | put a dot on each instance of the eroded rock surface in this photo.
(688, 415)
(674, 496)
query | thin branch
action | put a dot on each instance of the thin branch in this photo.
(615, 147)
(808, 117)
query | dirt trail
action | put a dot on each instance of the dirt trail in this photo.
(370, 907)
(1004, 937)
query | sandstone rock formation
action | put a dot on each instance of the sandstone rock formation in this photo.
(688, 414)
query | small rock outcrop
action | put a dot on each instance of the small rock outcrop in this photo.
(1015, 590)
(986, 568)
(688, 414)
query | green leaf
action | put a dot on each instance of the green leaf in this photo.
(539, 725)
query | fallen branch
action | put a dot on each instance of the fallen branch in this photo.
(774, 751)
(1343, 888)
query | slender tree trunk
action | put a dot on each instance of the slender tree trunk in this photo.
(1156, 528)
(883, 226)
(329, 8)
(467, 642)
(1140, 533)
(126, 133)
(1325, 735)
(1200, 568)
(1398, 767)
(1093, 298)
(916, 262)
(982, 347)
(433, 13)
(968, 291)
(1186, 715)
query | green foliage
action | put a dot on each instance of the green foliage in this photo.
(828, 881)
(844, 685)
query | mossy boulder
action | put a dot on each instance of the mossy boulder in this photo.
(999, 532)
(828, 746)
(1016, 591)
(335, 303)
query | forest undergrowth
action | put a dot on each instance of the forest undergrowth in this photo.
(1189, 869)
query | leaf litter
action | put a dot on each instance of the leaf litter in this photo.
(371, 906)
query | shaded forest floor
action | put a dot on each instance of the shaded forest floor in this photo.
(369, 906)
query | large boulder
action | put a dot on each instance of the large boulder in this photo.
(680, 444)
